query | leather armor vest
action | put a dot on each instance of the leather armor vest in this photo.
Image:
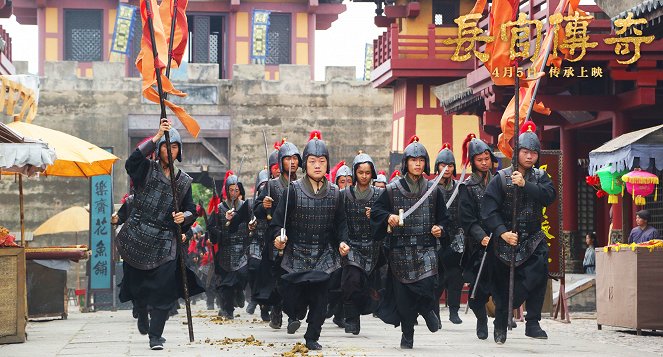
(309, 232)
(277, 190)
(232, 246)
(257, 237)
(530, 216)
(364, 252)
(147, 239)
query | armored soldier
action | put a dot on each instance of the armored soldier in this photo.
(257, 228)
(341, 175)
(361, 262)
(470, 195)
(412, 247)
(266, 293)
(273, 161)
(147, 241)
(381, 180)
(314, 221)
(229, 229)
(450, 275)
(534, 191)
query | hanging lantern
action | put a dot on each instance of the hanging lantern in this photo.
(611, 183)
(640, 184)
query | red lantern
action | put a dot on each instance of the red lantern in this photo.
(640, 184)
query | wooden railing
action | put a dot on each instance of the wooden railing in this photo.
(393, 45)
(8, 43)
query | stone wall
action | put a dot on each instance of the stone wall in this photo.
(350, 113)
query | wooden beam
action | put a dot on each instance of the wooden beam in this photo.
(637, 98)
(217, 154)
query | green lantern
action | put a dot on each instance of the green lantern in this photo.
(611, 182)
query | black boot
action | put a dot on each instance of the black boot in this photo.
(432, 322)
(251, 307)
(225, 314)
(351, 319)
(407, 342)
(264, 313)
(453, 316)
(158, 321)
(293, 326)
(313, 345)
(338, 320)
(143, 321)
(513, 323)
(276, 318)
(239, 298)
(535, 331)
(482, 328)
(500, 335)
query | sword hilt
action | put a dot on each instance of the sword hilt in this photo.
(281, 240)
(231, 211)
(400, 217)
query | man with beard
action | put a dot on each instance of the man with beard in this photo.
(229, 229)
(359, 266)
(147, 241)
(412, 246)
(534, 191)
(471, 191)
(308, 226)
(266, 292)
(450, 275)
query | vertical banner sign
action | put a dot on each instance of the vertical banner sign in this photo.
(123, 32)
(101, 208)
(368, 61)
(259, 30)
(551, 162)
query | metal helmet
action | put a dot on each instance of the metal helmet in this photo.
(344, 170)
(445, 156)
(262, 178)
(273, 158)
(229, 180)
(316, 147)
(473, 146)
(528, 138)
(413, 150)
(362, 158)
(381, 177)
(288, 149)
(174, 138)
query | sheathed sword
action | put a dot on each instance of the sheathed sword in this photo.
(285, 216)
(269, 170)
(403, 215)
(476, 281)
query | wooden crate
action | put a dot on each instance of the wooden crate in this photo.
(629, 288)
(13, 316)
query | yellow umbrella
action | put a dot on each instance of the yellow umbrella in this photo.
(73, 219)
(75, 157)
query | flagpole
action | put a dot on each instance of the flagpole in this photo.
(171, 168)
(530, 105)
(514, 218)
(172, 37)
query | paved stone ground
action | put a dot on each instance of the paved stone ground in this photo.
(115, 334)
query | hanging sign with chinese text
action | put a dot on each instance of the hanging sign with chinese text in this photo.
(101, 203)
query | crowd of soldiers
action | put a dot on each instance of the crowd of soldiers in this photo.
(318, 242)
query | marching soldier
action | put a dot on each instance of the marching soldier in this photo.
(360, 265)
(534, 192)
(288, 160)
(470, 195)
(308, 226)
(412, 245)
(381, 180)
(450, 274)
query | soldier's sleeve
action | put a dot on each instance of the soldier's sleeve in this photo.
(380, 212)
(491, 207)
(441, 212)
(258, 210)
(137, 165)
(279, 213)
(189, 210)
(542, 191)
(468, 215)
(213, 229)
(340, 222)
(123, 213)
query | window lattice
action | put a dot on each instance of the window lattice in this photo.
(586, 201)
(83, 35)
(445, 12)
(201, 39)
(278, 39)
(655, 208)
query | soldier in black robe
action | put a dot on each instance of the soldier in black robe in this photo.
(534, 192)
(257, 230)
(452, 245)
(470, 195)
(412, 247)
(360, 266)
(147, 240)
(266, 292)
(229, 229)
(314, 226)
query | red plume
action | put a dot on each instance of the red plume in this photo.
(466, 144)
(213, 205)
(315, 134)
(205, 259)
(381, 172)
(223, 189)
(192, 247)
(277, 145)
(335, 169)
(413, 139)
(199, 210)
(528, 126)
(446, 146)
(394, 174)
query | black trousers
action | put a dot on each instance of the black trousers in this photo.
(529, 287)
(298, 297)
(413, 299)
(358, 287)
(450, 277)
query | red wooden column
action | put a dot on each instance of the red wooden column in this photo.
(619, 127)
(569, 196)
